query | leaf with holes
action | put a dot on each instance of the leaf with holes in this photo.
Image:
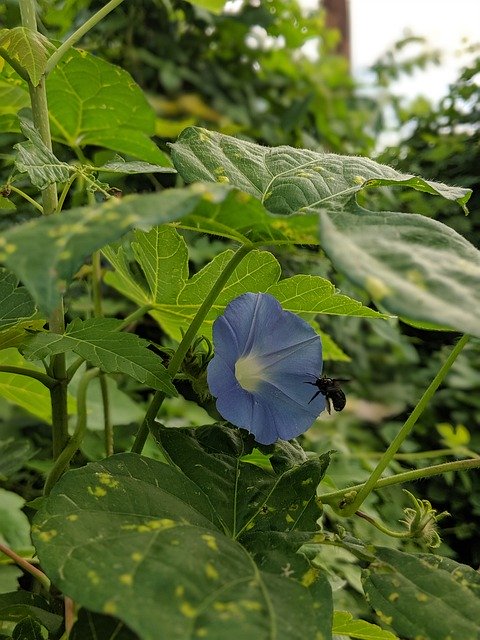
(423, 595)
(93, 102)
(99, 342)
(114, 535)
(288, 180)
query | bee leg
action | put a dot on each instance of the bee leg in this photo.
(314, 396)
(328, 404)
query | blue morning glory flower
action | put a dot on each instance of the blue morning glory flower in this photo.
(263, 358)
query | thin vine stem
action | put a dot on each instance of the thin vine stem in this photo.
(79, 33)
(385, 460)
(336, 497)
(62, 462)
(45, 379)
(26, 566)
(26, 197)
(184, 345)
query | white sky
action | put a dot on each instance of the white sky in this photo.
(375, 24)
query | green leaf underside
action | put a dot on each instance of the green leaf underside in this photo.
(37, 160)
(345, 625)
(163, 257)
(98, 341)
(413, 266)
(29, 49)
(424, 595)
(67, 239)
(93, 102)
(213, 589)
(120, 166)
(288, 180)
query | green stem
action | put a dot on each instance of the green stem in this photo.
(62, 462)
(65, 191)
(26, 197)
(187, 339)
(381, 527)
(385, 460)
(79, 33)
(46, 380)
(336, 497)
(98, 312)
(24, 564)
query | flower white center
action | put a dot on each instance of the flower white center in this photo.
(249, 371)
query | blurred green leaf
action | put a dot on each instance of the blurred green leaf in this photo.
(424, 595)
(91, 101)
(215, 6)
(67, 239)
(98, 341)
(17, 304)
(169, 546)
(413, 266)
(28, 49)
(25, 392)
(14, 524)
(13, 454)
(37, 160)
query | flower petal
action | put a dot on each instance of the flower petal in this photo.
(285, 353)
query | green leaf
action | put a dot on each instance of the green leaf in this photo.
(13, 454)
(25, 392)
(13, 97)
(215, 6)
(20, 604)
(345, 625)
(94, 626)
(28, 49)
(17, 304)
(27, 629)
(67, 239)
(242, 218)
(93, 102)
(6, 205)
(246, 497)
(119, 165)
(312, 295)
(413, 266)
(98, 341)
(14, 524)
(288, 180)
(424, 595)
(37, 160)
(115, 556)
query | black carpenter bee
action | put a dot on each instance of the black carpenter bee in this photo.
(330, 388)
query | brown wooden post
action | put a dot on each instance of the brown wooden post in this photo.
(337, 17)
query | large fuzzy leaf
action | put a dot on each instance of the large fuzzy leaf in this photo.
(135, 538)
(288, 180)
(423, 595)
